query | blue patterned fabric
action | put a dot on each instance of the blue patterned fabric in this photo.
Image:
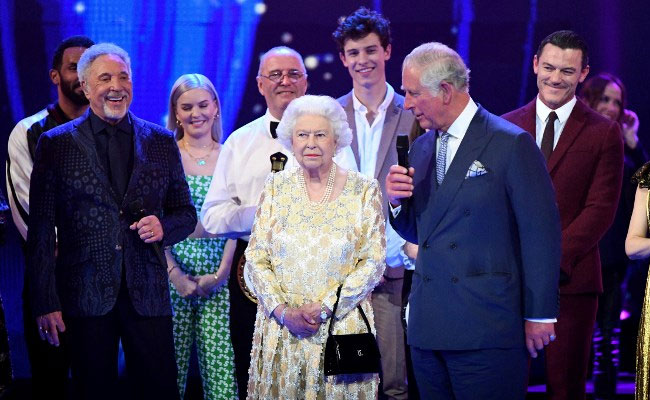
(70, 190)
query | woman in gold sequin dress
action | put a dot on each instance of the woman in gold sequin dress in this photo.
(637, 246)
(318, 226)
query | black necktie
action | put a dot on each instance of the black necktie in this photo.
(549, 135)
(274, 127)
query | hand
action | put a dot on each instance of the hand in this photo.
(630, 125)
(538, 335)
(399, 184)
(149, 229)
(185, 285)
(49, 326)
(208, 284)
(411, 250)
(299, 322)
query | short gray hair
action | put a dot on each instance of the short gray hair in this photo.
(280, 51)
(97, 50)
(323, 106)
(438, 63)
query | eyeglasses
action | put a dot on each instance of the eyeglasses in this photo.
(277, 76)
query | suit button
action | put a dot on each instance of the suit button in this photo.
(425, 245)
(454, 280)
(118, 247)
(453, 246)
(467, 213)
(121, 212)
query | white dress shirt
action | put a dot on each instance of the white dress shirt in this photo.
(20, 169)
(541, 118)
(238, 179)
(368, 139)
(457, 131)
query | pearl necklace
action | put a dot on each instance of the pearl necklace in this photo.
(314, 205)
(199, 160)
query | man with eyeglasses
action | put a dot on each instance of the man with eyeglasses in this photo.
(238, 179)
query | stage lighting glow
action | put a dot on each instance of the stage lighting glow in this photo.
(327, 76)
(257, 108)
(80, 7)
(328, 58)
(260, 8)
(311, 62)
(286, 37)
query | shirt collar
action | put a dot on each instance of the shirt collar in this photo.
(359, 107)
(458, 128)
(98, 125)
(563, 112)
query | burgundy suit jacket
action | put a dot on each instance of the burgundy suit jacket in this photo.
(586, 167)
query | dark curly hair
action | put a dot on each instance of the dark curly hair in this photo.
(360, 24)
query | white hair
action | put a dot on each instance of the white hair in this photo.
(97, 50)
(323, 106)
(438, 63)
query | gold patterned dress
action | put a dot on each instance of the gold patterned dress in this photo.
(642, 392)
(300, 253)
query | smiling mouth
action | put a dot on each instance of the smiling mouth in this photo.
(365, 70)
(115, 99)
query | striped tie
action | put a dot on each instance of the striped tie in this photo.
(441, 160)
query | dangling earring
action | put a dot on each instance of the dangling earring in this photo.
(178, 123)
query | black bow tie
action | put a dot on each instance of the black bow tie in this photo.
(274, 127)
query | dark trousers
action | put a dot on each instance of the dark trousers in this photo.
(410, 376)
(242, 323)
(606, 335)
(148, 349)
(486, 374)
(567, 358)
(49, 365)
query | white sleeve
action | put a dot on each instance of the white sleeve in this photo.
(345, 159)
(222, 212)
(19, 171)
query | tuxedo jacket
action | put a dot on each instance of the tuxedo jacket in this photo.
(79, 268)
(489, 245)
(398, 122)
(586, 167)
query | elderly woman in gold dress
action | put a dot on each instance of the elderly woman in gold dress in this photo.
(318, 226)
(637, 247)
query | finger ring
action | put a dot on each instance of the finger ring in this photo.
(40, 328)
(46, 331)
(151, 234)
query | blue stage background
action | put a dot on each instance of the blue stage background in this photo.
(224, 38)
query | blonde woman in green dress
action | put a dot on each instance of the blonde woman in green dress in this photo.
(199, 266)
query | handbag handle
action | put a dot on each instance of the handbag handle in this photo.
(336, 304)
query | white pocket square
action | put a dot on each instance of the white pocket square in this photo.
(476, 169)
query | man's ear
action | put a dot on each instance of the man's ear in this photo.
(446, 90)
(55, 77)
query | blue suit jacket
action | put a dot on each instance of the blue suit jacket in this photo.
(489, 251)
(70, 190)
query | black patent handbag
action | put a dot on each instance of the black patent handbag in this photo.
(351, 354)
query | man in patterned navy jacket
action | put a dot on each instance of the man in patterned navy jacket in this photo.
(112, 185)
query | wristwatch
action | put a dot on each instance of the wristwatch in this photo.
(323, 313)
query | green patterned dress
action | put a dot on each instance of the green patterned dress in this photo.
(203, 321)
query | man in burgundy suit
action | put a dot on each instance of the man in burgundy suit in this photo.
(584, 154)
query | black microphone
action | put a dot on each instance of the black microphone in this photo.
(138, 212)
(402, 146)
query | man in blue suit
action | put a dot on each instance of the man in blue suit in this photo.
(480, 204)
(112, 185)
